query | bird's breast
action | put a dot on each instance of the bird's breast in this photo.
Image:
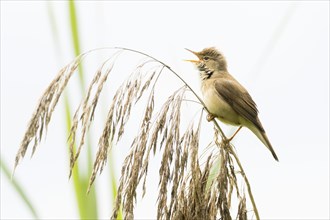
(217, 105)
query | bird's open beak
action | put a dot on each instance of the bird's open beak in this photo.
(193, 61)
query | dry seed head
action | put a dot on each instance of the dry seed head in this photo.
(43, 113)
(188, 187)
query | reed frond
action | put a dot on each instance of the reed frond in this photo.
(192, 184)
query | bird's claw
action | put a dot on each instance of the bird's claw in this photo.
(210, 117)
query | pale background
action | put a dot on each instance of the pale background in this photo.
(278, 50)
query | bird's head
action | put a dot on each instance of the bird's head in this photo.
(210, 59)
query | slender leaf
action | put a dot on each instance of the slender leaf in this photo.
(87, 203)
(18, 188)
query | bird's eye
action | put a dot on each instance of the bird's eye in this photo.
(206, 58)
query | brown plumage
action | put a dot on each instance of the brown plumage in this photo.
(225, 98)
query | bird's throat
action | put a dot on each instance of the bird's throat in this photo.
(204, 72)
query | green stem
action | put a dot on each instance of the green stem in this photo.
(75, 39)
(19, 189)
(87, 204)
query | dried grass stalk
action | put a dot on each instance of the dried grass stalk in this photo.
(41, 117)
(88, 109)
(188, 186)
(128, 94)
(242, 212)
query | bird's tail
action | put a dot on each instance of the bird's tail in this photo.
(264, 139)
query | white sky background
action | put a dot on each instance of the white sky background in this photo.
(278, 50)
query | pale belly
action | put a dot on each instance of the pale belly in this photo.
(219, 108)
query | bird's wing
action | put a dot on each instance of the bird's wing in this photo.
(239, 99)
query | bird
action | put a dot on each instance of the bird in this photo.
(225, 98)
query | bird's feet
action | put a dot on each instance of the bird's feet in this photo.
(210, 117)
(232, 137)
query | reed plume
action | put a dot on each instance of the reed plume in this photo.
(190, 186)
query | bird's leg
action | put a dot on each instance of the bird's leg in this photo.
(210, 117)
(232, 137)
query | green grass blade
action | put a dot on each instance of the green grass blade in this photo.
(18, 188)
(77, 185)
(75, 173)
(75, 39)
(89, 202)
